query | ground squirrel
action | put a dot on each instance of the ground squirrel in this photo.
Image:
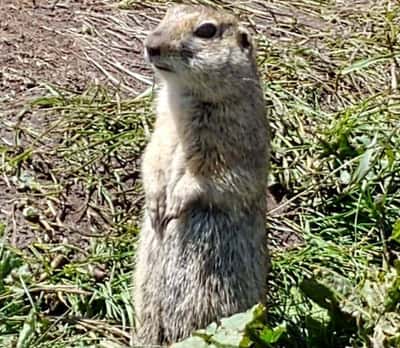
(202, 248)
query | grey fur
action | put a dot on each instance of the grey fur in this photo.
(202, 252)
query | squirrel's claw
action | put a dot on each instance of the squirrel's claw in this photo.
(156, 214)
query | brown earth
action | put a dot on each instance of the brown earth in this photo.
(68, 45)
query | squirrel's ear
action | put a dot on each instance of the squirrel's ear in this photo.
(245, 40)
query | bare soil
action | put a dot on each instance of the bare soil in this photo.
(58, 42)
(69, 45)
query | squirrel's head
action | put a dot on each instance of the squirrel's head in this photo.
(201, 49)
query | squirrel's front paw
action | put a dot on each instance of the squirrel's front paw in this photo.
(156, 205)
(180, 199)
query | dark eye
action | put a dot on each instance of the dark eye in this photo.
(206, 30)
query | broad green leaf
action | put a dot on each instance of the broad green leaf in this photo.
(239, 321)
(227, 339)
(207, 332)
(270, 336)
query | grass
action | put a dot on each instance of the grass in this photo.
(331, 75)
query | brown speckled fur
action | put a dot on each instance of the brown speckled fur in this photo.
(202, 252)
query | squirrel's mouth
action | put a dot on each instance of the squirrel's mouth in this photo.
(163, 67)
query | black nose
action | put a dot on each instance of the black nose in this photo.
(153, 51)
(153, 43)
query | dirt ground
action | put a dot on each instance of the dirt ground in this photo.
(70, 45)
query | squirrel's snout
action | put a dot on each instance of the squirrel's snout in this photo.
(153, 51)
(155, 48)
(153, 44)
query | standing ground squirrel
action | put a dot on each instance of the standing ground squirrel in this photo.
(202, 251)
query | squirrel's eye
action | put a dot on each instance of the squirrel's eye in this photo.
(206, 30)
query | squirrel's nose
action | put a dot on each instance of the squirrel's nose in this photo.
(154, 42)
(153, 51)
